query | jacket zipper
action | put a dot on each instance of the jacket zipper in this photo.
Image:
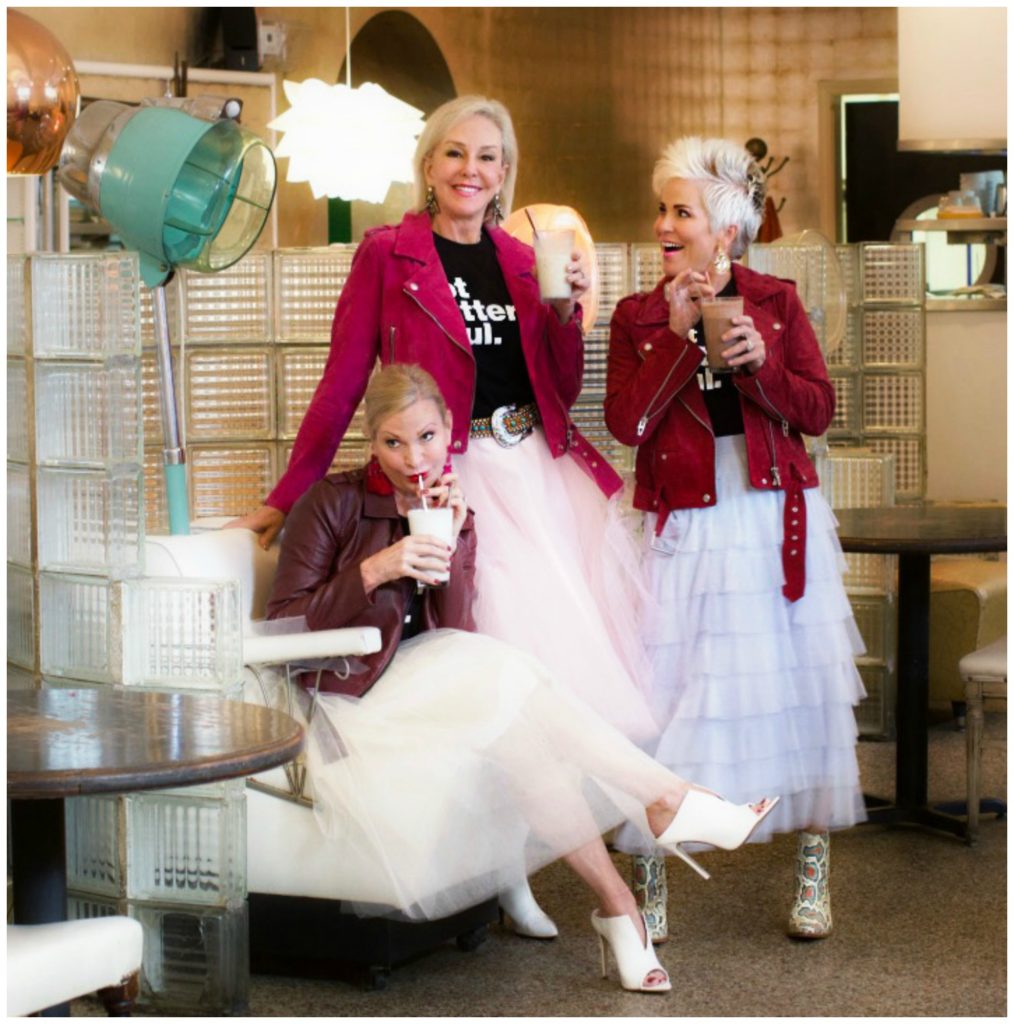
(707, 426)
(454, 341)
(775, 474)
(642, 423)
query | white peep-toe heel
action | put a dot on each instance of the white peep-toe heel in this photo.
(523, 915)
(704, 817)
(635, 960)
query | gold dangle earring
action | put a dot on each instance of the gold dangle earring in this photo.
(497, 209)
(721, 261)
(431, 201)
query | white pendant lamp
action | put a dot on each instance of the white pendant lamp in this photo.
(347, 143)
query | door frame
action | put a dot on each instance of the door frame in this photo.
(829, 98)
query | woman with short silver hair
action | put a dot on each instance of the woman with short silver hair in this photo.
(751, 635)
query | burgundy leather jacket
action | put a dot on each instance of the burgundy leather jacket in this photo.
(335, 526)
(397, 306)
(653, 402)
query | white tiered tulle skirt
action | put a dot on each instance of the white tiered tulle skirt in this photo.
(558, 575)
(464, 769)
(756, 693)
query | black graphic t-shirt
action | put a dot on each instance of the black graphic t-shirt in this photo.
(491, 323)
(720, 394)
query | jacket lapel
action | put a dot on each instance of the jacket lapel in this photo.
(426, 283)
(517, 263)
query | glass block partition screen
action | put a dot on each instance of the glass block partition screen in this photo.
(255, 339)
(79, 483)
(878, 368)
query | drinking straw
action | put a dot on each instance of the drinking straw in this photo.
(420, 477)
(528, 214)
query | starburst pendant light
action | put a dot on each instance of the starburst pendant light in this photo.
(347, 143)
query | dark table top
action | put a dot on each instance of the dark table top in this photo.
(113, 739)
(923, 529)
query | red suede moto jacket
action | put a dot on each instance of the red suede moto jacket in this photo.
(653, 402)
(335, 526)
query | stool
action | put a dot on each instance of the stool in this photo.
(985, 675)
(968, 610)
(50, 964)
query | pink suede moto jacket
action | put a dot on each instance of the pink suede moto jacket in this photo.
(335, 526)
(397, 306)
(653, 402)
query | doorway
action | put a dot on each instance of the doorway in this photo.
(397, 52)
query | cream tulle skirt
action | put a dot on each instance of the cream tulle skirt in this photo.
(558, 575)
(756, 693)
(464, 769)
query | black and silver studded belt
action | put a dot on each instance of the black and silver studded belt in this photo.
(507, 425)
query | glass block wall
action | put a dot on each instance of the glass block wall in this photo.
(80, 613)
(879, 367)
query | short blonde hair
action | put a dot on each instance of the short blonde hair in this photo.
(733, 189)
(443, 119)
(392, 389)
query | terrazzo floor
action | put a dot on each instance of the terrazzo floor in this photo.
(920, 931)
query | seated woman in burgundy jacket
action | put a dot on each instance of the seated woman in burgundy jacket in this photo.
(449, 764)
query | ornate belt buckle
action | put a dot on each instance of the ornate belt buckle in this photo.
(498, 427)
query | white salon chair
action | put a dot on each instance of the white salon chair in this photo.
(297, 891)
(50, 964)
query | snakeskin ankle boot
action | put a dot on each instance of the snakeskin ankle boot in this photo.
(649, 884)
(810, 917)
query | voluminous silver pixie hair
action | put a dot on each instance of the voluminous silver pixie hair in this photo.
(443, 119)
(733, 185)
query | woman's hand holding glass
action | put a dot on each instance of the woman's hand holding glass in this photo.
(579, 279)
(421, 556)
(748, 352)
(447, 492)
(418, 556)
(684, 293)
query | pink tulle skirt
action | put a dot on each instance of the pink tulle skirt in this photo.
(557, 575)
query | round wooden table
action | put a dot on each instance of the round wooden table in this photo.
(112, 739)
(915, 533)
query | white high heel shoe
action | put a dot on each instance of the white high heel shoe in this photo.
(705, 817)
(635, 960)
(523, 915)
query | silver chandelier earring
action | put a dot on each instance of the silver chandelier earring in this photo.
(497, 209)
(431, 201)
(721, 261)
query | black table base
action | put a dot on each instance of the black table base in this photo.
(38, 871)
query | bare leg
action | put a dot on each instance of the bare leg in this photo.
(595, 868)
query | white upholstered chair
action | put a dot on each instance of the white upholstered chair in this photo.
(296, 889)
(50, 964)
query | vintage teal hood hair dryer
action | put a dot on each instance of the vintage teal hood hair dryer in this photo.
(185, 191)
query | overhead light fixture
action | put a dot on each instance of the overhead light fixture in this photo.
(347, 143)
